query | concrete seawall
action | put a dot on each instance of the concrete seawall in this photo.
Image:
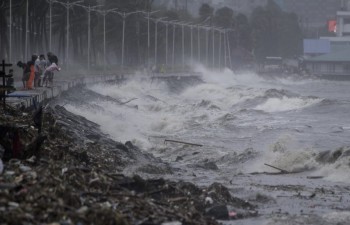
(28, 98)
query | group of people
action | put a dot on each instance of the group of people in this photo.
(39, 71)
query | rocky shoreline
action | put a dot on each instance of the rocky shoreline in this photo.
(73, 174)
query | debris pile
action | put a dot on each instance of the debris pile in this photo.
(73, 176)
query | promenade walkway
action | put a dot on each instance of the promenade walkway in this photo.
(27, 98)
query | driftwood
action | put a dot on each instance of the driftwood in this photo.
(123, 103)
(315, 177)
(181, 142)
(281, 170)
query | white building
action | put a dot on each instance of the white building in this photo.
(343, 20)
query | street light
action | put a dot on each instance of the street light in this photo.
(183, 44)
(67, 5)
(228, 47)
(148, 34)
(156, 21)
(199, 25)
(220, 44)
(26, 36)
(104, 14)
(167, 40)
(10, 50)
(213, 30)
(89, 9)
(124, 15)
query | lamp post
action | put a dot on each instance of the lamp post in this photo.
(206, 46)
(104, 13)
(199, 43)
(183, 44)
(173, 58)
(89, 9)
(199, 26)
(229, 48)
(166, 42)
(225, 51)
(191, 27)
(156, 21)
(67, 5)
(148, 16)
(26, 35)
(10, 47)
(124, 15)
(220, 43)
(213, 29)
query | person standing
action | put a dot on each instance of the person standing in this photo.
(25, 74)
(51, 59)
(42, 67)
(31, 65)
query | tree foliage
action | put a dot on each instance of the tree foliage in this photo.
(274, 32)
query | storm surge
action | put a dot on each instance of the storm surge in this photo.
(237, 123)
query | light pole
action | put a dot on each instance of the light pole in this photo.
(148, 14)
(199, 26)
(225, 51)
(199, 43)
(89, 9)
(173, 59)
(191, 27)
(183, 44)
(166, 42)
(220, 43)
(104, 14)
(156, 21)
(124, 15)
(50, 32)
(10, 50)
(213, 46)
(67, 5)
(229, 49)
(26, 36)
(207, 45)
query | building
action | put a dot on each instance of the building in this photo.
(331, 55)
(334, 63)
(312, 14)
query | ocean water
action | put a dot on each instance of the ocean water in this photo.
(243, 121)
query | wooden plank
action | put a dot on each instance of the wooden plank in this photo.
(282, 170)
(182, 142)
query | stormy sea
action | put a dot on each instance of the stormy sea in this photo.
(280, 142)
